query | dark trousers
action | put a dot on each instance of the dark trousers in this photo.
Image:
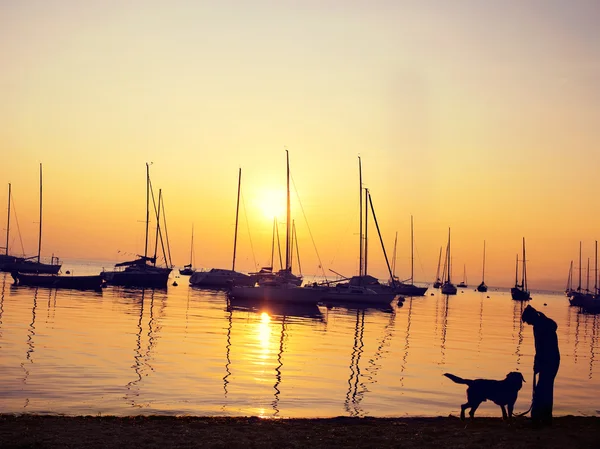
(541, 411)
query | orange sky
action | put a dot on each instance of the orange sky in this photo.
(483, 118)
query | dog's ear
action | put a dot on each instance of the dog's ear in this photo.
(522, 378)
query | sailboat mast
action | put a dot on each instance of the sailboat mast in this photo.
(412, 256)
(273, 242)
(437, 274)
(587, 281)
(380, 239)
(288, 223)
(360, 214)
(483, 270)
(8, 219)
(237, 212)
(40, 232)
(147, 208)
(596, 269)
(570, 278)
(449, 259)
(157, 226)
(517, 272)
(579, 286)
(192, 246)
(367, 195)
(394, 257)
(524, 268)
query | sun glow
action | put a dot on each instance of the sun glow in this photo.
(272, 204)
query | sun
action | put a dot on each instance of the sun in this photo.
(272, 204)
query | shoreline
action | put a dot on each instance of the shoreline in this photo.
(51, 431)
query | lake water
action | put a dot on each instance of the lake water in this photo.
(184, 351)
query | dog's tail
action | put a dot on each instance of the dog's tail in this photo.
(458, 380)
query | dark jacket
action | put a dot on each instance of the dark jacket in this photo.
(547, 356)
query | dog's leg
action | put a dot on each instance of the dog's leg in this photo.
(504, 415)
(511, 408)
(473, 408)
(462, 410)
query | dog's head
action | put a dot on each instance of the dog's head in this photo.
(516, 379)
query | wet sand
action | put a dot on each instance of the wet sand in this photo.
(34, 431)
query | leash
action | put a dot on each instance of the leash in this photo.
(532, 399)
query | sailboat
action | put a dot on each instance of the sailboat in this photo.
(7, 258)
(221, 277)
(188, 269)
(463, 283)
(520, 292)
(277, 288)
(438, 281)
(407, 287)
(285, 275)
(448, 288)
(569, 287)
(32, 264)
(143, 271)
(482, 287)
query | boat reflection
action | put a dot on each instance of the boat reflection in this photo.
(309, 311)
(406, 342)
(593, 342)
(518, 308)
(2, 290)
(354, 394)
(444, 329)
(143, 351)
(30, 344)
(227, 352)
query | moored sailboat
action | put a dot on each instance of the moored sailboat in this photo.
(482, 287)
(283, 286)
(189, 269)
(143, 271)
(520, 291)
(217, 278)
(448, 288)
(31, 264)
(407, 287)
(463, 283)
(438, 281)
(85, 282)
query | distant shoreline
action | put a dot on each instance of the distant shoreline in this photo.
(164, 431)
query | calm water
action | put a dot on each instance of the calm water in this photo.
(186, 351)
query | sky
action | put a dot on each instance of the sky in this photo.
(482, 117)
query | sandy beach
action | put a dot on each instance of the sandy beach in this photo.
(34, 431)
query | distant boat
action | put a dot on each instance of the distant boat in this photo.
(93, 282)
(482, 287)
(407, 287)
(31, 264)
(188, 269)
(7, 258)
(577, 297)
(220, 277)
(448, 288)
(143, 271)
(569, 287)
(364, 280)
(463, 283)
(520, 292)
(438, 281)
